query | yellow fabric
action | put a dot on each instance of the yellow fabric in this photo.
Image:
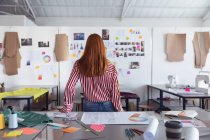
(35, 92)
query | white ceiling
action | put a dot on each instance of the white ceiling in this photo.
(108, 8)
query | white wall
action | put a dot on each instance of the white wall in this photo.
(15, 20)
(28, 22)
(145, 22)
(185, 70)
(154, 68)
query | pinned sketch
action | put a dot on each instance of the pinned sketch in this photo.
(105, 34)
(43, 44)
(79, 36)
(26, 42)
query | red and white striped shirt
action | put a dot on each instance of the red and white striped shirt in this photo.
(96, 89)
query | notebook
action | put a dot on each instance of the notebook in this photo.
(182, 114)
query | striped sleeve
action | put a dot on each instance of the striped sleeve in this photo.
(70, 89)
(115, 92)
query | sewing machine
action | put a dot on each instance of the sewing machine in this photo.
(202, 82)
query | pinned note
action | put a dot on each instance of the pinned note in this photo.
(71, 129)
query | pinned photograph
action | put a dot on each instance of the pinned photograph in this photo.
(79, 36)
(26, 42)
(43, 44)
(134, 65)
(105, 34)
(142, 46)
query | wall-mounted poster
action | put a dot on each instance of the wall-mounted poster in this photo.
(105, 34)
(43, 44)
(26, 42)
(79, 36)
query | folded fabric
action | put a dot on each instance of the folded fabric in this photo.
(30, 118)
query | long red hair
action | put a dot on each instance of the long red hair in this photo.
(94, 61)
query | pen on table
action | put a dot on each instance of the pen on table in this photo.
(127, 133)
(131, 131)
(137, 131)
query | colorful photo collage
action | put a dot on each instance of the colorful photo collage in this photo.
(127, 49)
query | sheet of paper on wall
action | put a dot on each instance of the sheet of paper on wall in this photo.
(175, 47)
(61, 47)
(11, 54)
(11, 44)
(11, 66)
(115, 118)
(201, 43)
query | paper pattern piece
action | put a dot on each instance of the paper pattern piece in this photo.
(97, 127)
(175, 47)
(11, 53)
(71, 129)
(29, 131)
(201, 44)
(150, 132)
(113, 118)
(14, 133)
(61, 47)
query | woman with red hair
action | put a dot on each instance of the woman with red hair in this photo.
(98, 78)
